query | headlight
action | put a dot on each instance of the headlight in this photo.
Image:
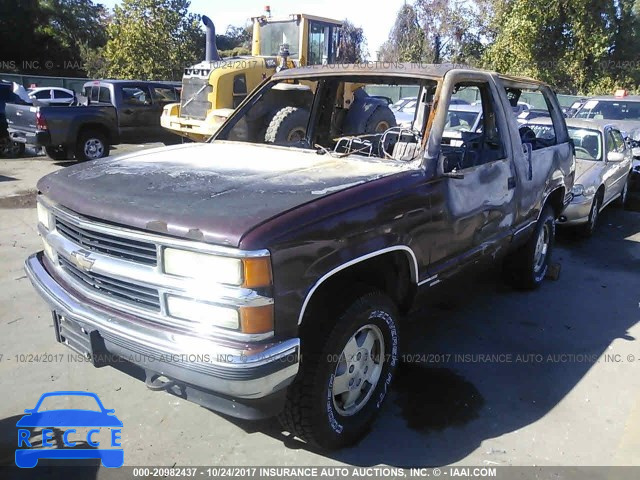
(245, 272)
(577, 190)
(205, 314)
(44, 217)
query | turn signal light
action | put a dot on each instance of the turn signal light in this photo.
(257, 272)
(256, 319)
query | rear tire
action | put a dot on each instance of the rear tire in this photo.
(381, 120)
(11, 149)
(59, 152)
(345, 374)
(92, 144)
(288, 126)
(623, 200)
(526, 267)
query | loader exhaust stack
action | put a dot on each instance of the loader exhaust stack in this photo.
(211, 51)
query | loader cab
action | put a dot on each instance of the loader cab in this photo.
(311, 40)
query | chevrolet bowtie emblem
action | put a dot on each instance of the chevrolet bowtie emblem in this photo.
(81, 260)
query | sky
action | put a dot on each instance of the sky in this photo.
(376, 18)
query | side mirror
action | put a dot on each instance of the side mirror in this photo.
(615, 157)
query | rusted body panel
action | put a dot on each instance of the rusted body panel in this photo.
(317, 213)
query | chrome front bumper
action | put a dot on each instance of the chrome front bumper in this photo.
(238, 370)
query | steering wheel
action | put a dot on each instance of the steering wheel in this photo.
(527, 135)
(585, 151)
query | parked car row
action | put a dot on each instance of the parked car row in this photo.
(85, 127)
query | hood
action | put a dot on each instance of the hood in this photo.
(583, 167)
(214, 192)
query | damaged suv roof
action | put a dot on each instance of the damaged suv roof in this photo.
(412, 70)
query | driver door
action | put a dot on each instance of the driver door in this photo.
(473, 209)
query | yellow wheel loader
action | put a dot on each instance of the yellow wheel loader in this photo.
(214, 87)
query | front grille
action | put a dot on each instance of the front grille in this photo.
(141, 252)
(136, 295)
(194, 100)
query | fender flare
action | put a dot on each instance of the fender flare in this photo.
(411, 258)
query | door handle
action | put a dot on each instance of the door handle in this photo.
(511, 183)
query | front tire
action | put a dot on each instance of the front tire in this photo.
(345, 374)
(527, 266)
(58, 153)
(288, 126)
(588, 229)
(91, 145)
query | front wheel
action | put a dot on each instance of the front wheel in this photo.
(588, 229)
(345, 375)
(58, 152)
(527, 266)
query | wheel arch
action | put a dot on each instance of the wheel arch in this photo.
(555, 199)
(377, 269)
(97, 127)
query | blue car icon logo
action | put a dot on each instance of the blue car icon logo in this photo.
(63, 424)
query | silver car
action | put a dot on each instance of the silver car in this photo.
(603, 162)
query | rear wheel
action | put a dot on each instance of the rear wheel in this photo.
(91, 145)
(11, 149)
(527, 267)
(345, 374)
(58, 152)
(623, 200)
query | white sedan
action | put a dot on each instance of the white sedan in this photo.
(52, 95)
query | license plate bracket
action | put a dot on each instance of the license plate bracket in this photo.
(80, 338)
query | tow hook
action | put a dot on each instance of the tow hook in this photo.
(157, 382)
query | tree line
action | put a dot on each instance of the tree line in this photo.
(583, 47)
(579, 46)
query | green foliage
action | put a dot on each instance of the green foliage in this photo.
(235, 38)
(353, 44)
(46, 37)
(152, 40)
(73, 23)
(434, 31)
(581, 46)
(234, 52)
(406, 41)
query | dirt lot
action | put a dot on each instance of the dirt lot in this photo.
(492, 376)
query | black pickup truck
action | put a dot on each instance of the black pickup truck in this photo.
(118, 111)
(262, 274)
